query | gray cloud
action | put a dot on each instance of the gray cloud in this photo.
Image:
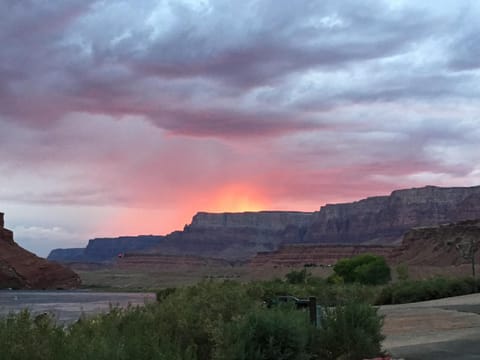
(115, 58)
(159, 104)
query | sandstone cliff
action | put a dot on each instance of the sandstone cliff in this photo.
(20, 269)
(423, 246)
(385, 219)
(236, 236)
(380, 220)
(437, 245)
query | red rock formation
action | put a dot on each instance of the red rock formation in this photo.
(436, 246)
(156, 261)
(425, 246)
(318, 255)
(20, 269)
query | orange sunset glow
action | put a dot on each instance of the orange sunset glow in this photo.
(238, 198)
(235, 197)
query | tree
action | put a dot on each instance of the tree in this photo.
(365, 269)
(297, 277)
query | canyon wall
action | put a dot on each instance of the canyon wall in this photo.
(20, 269)
(422, 246)
(235, 236)
(437, 245)
(385, 219)
(380, 220)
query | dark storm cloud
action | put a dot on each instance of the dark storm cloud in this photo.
(466, 52)
(118, 59)
(146, 111)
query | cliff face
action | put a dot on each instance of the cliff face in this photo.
(235, 235)
(261, 220)
(380, 220)
(105, 249)
(67, 255)
(425, 246)
(21, 269)
(377, 220)
(385, 219)
(437, 245)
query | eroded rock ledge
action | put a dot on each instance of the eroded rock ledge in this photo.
(21, 269)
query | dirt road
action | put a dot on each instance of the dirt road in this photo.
(440, 329)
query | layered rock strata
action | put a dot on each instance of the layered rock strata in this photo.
(236, 236)
(380, 220)
(384, 219)
(422, 246)
(159, 261)
(438, 245)
(20, 269)
(315, 255)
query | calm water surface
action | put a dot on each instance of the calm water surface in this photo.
(67, 306)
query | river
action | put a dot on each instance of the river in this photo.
(68, 306)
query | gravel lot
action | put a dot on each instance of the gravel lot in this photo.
(438, 329)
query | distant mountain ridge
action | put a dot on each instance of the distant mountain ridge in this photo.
(375, 220)
(105, 249)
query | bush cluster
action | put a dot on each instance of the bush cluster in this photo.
(210, 320)
(421, 290)
(364, 269)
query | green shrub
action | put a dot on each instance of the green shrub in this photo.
(422, 290)
(273, 334)
(364, 269)
(164, 293)
(23, 336)
(350, 332)
(297, 277)
(210, 320)
(402, 272)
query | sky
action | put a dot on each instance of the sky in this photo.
(128, 117)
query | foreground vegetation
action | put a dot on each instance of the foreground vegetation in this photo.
(212, 320)
(408, 291)
(230, 320)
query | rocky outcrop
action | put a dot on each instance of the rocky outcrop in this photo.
(385, 219)
(315, 255)
(423, 246)
(437, 245)
(261, 220)
(105, 249)
(235, 235)
(20, 269)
